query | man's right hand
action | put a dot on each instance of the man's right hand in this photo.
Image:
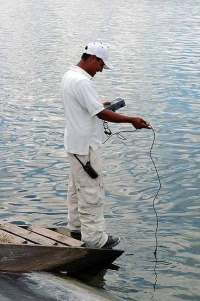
(140, 123)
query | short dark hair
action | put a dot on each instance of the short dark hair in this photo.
(85, 56)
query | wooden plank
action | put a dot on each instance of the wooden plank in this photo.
(64, 239)
(27, 234)
(64, 231)
(6, 237)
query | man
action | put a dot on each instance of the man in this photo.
(83, 137)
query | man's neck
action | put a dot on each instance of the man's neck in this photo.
(83, 65)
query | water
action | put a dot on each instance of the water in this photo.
(43, 286)
(155, 47)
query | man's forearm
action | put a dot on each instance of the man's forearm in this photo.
(111, 116)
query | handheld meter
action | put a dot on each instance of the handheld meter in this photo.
(115, 104)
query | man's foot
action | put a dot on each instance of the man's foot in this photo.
(111, 242)
(76, 235)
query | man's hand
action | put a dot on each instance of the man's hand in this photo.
(140, 123)
(106, 103)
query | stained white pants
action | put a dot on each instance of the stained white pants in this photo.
(86, 199)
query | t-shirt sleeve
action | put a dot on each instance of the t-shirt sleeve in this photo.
(89, 99)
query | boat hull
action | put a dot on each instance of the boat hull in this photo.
(21, 258)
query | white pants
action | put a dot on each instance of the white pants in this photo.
(86, 199)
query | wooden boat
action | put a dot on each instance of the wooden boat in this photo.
(36, 248)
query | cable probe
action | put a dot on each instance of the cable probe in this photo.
(115, 105)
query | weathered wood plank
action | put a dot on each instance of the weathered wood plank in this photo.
(6, 237)
(27, 234)
(63, 230)
(61, 238)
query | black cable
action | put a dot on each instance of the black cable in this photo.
(107, 130)
(156, 248)
(118, 134)
(155, 252)
(109, 135)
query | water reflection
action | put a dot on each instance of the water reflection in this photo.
(92, 276)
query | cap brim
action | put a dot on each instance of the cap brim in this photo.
(107, 65)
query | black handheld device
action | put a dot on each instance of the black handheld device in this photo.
(91, 172)
(88, 168)
(115, 104)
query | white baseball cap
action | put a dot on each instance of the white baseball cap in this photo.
(100, 51)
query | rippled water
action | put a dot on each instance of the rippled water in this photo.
(155, 47)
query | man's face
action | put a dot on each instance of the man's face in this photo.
(96, 65)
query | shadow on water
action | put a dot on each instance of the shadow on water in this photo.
(91, 276)
(52, 286)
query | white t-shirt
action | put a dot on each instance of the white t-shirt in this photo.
(81, 104)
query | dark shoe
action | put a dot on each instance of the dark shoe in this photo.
(76, 235)
(111, 242)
